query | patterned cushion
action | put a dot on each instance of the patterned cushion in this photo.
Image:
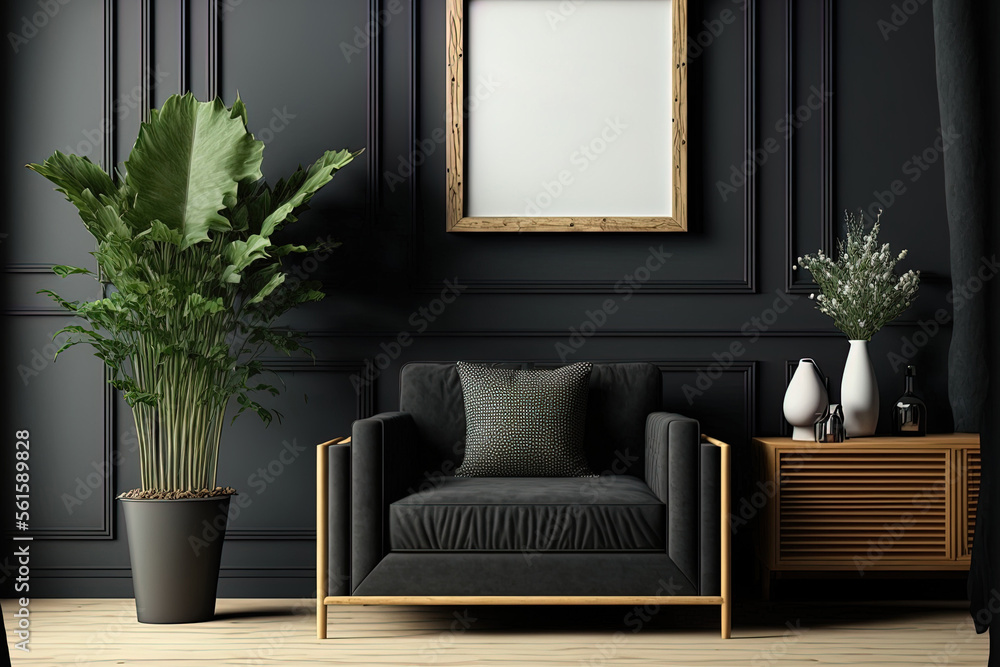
(524, 423)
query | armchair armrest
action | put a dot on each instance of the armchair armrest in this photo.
(721, 454)
(672, 473)
(384, 456)
(686, 474)
(333, 539)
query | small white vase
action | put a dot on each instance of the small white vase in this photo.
(806, 400)
(859, 392)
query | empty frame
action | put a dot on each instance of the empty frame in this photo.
(567, 116)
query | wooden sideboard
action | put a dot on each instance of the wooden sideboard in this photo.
(864, 505)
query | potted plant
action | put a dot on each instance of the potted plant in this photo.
(861, 291)
(185, 242)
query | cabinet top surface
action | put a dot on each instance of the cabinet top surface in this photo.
(893, 442)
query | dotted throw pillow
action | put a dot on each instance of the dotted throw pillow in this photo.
(524, 423)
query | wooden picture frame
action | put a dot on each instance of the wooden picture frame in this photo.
(671, 218)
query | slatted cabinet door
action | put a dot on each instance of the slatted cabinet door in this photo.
(968, 498)
(878, 506)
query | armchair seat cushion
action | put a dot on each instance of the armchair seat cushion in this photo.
(530, 514)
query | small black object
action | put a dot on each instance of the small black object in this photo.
(831, 427)
(909, 413)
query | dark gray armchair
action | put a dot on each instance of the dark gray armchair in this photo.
(395, 526)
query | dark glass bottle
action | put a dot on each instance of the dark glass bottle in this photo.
(909, 414)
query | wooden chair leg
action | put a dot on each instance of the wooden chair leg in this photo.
(322, 538)
(725, 536)
(320, 619)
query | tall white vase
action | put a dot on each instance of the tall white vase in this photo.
(859, 392)
(806, 400)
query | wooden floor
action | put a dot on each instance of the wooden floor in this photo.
(274, 632)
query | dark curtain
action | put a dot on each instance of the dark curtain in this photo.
(964, 33)
(961, 98)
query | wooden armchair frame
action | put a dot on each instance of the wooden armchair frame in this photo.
(323, 600)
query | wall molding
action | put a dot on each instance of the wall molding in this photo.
(145, 58)
(373, 126)
(51, 311)
(110, 90)
(373, 123)
(29, 267)
(745, 285)
(825, 214)
(747, 368)
(542, 333)
(364, 407)
(794, 284)
(606, 333)
(109, 146)
(106, 531)
(183, 46)
(212, 84)
(413, 118)
(750, 86)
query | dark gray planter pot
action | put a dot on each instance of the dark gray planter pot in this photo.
(175, 547)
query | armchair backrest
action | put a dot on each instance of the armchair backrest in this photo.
(621, 397)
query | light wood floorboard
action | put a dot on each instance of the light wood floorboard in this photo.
(282, 632)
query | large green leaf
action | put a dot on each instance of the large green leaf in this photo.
(85, 185)
(240, 254)
(271, 285)
(243, 253)
(187, 162)
(303, 185)
(62, 270)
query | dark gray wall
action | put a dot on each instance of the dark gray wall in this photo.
(757, 65)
